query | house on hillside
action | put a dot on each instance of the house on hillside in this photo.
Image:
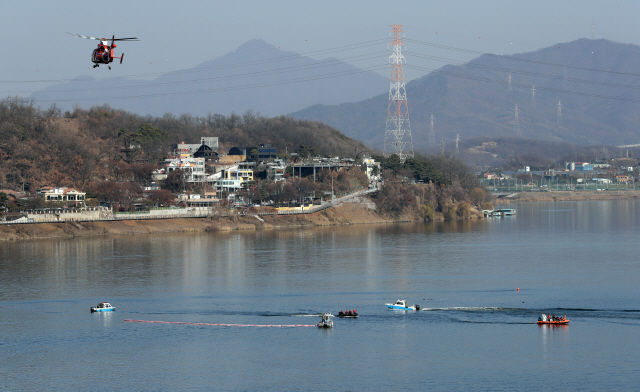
(207, 153)
(276, 170)
(185, 150)
(194, 167)
(234, 155)
(234, 179)
(371, 168)
(266, 152)
(62, 194)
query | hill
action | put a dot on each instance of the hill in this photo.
(43, 148)
(257, 76)
(474, 99)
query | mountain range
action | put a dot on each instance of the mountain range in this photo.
(595, 81)
(586, 92)
(256, 76)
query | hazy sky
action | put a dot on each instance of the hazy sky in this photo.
(175, 35)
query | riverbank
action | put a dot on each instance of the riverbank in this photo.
(344, 214)
(568, 196)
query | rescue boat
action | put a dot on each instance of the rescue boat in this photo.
(544, 319)
(401, 304)
(103, 307)
(348, 314)
(326, 321)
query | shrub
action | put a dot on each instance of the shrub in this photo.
(464, 210)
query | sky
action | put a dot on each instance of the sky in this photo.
(175, 35)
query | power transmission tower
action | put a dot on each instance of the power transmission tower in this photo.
(533, 96)
(457, 140)
(510, 88)
(517, 126)
(559, 112)
(593, 31)
(442, 146)
(432, 134)
(397, 135)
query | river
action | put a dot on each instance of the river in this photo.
(476, 330)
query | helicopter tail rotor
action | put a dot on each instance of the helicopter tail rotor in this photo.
(121, 57)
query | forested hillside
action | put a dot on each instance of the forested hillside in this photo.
(47, 147)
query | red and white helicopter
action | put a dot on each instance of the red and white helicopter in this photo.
(103, 54)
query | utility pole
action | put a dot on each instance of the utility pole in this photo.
(517, 121)
(397, 136)
(442, 146)
(559, 112)
(432, 134)
(533, 96)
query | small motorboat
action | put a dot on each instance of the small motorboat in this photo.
(401, 304)
(326, 321)
(348, 314)
(552, 320)
(103, 307)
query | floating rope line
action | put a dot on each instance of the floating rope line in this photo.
(223, 325)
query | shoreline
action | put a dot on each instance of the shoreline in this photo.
(348, 213)
(523, 197)
(341, 215)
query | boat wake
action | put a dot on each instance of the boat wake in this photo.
(470, 308)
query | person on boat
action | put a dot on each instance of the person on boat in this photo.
(355, 312)
(554, 317)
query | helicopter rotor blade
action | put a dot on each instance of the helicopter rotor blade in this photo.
(85, 36)
(104, 39)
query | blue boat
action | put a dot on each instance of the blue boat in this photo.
(103, 307)
(401, 304)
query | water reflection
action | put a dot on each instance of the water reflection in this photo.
(550, 240)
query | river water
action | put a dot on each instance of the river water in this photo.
(476, 330)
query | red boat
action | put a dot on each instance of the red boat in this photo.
(552, 320)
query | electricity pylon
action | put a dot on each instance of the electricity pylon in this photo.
(397, 135)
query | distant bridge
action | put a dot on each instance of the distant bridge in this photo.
(629, 146)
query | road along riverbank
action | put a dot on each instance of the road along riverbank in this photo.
(568, 196)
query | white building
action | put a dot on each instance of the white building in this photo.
(194, 167)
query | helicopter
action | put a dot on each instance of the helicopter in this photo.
(103, 54)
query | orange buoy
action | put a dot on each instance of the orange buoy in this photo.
(518, 289)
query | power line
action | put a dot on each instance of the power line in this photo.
(511, 57)
(526, 73)
(437, 71)
(243, 75)
(202, 69)
(299, 80)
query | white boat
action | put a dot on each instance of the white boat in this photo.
(103, 307)
(401, 304)
(326, 321)
(504, 212)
